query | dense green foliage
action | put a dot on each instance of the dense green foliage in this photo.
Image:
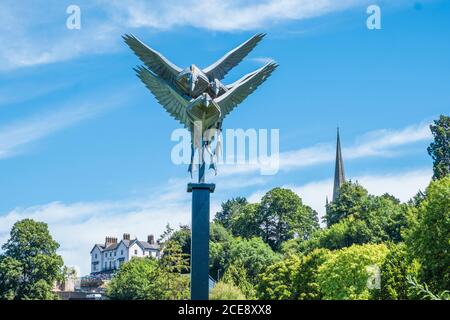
(280, 216)
(29, 266)
(394, 273)
(277, 282)
(294, 277)
(439, 149)
(306, 284)
(283, 215)
(350, 200)
(253, 254)
(347, 272)
(138, 279)
(429, 240)
(237, 275)
(226, 291)
(229, 209)
(148, 279)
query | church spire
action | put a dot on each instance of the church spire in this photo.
(339, 177)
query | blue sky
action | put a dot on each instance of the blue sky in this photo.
(85, 147)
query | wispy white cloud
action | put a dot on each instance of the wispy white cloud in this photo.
(225, 15)
(16, 135)
(403, 185)
(78, 226)
(42, 37)
(379, 143)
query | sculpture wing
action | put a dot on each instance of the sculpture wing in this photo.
(155, 61)
(174, 103)
(219, 69)
(244, 87)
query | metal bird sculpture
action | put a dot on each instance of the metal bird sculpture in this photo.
(192, 80)
(200, 105)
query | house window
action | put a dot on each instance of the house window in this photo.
(114, 253)
(135, 251)
(95, 256)
(121, 252)
(106, 254)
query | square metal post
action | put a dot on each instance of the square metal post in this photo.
(200, 239)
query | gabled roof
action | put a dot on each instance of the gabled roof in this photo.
(147, 245)
(99, 246)
(144, 245)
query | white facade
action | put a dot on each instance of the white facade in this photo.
(110, 256)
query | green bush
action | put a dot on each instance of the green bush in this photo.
(306, 286)
(429, 240)
(394, 272)
(277, 282)
(346, 273)
(146, 279)
(226, 291)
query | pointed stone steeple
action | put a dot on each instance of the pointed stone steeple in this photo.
(339, 177)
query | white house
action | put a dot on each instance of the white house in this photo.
(111, 255)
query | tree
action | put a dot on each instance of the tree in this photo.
(29, 266)
(166, 234)
(377, 219)
(148, 279)
(237, 276)
(349, 201)
(230, 208)
(306, 286)
(182, 237)
(429, 239)
(175, 264)
(218, 233)
(346, 232)
(226, 291)
(439, 149)
(394, 273)
(253, 254)
(277, 281)
(244, 223)
(347, 272)
(385, 217)
(282, 216)
(138, 279)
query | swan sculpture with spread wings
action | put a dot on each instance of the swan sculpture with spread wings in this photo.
(192, 80)
(199, 105)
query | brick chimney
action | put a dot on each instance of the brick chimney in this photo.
(126, 236)
(151, 239)
(110, 240)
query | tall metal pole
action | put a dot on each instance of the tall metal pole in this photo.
(200, 239)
